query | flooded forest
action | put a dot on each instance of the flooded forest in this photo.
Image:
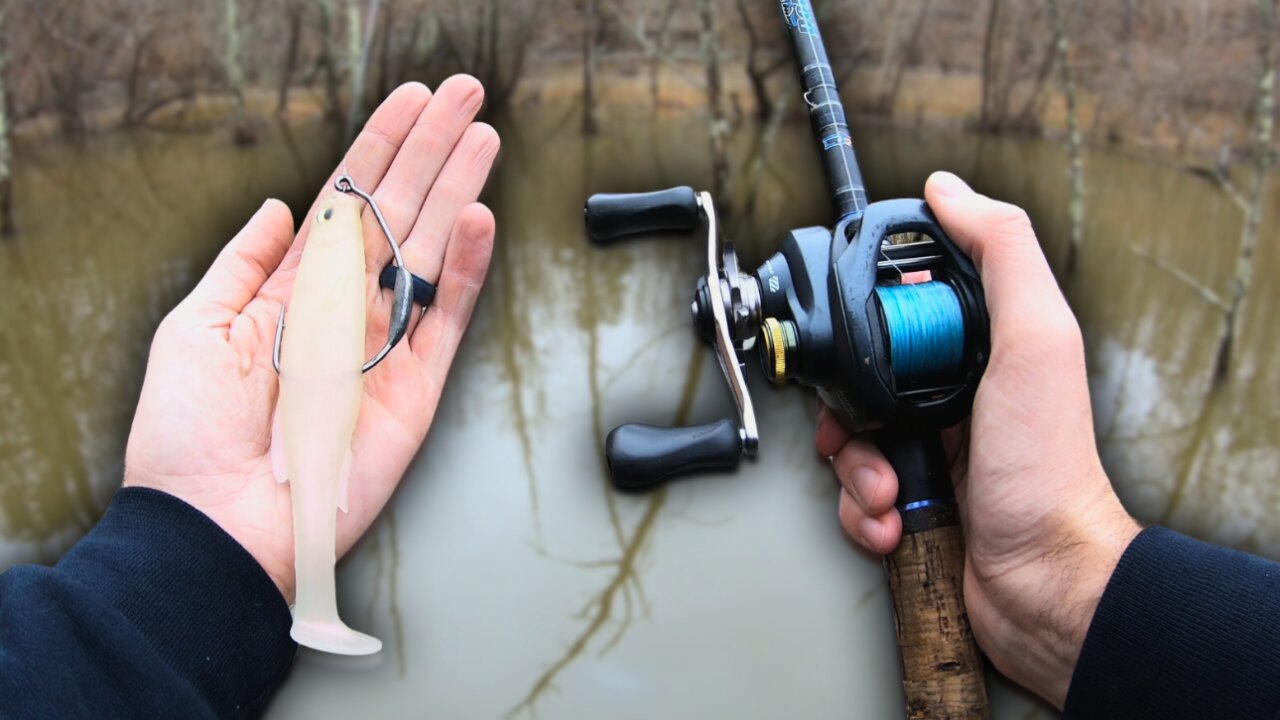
(136, 137)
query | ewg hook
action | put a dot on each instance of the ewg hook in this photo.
(402, 293)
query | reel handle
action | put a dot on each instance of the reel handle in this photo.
(613, 216)
(941, 665)
(643, 456)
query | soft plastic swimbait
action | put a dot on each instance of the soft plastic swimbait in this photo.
(320, 391)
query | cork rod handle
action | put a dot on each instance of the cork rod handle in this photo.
(942, 674)
(941, 668)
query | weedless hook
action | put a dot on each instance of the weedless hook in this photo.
(402, 293)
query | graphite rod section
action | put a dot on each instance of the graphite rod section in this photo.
(826, 112)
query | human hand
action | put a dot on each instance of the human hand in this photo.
(202, 431)
(1043, 527)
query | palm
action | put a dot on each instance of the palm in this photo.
(203, 427)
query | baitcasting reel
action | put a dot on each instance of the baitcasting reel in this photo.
(885, 318)
(830, 311)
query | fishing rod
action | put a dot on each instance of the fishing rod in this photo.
(834, 311)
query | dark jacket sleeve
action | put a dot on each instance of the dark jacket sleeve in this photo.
(156, 613)
(1183, 630)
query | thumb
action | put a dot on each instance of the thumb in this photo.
(1020, 288)
(245, 263)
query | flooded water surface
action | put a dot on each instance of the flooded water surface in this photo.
(505, 578)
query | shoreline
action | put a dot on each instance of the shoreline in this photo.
(927, 99)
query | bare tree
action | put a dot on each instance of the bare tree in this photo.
(358, 60)
(7, 225)
(989, 65)
(498, 47)
(70, 46)
(142, 33)
(1252, 206)
(327, 61)
(717, 124)
(1075, 147)
(891, 73)
(424, 37)
(758, 72)
(386, 48)
(243, 133)
(294, 11)
(659, 49)
(589, 123)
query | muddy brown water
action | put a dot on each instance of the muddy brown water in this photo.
(505, 578)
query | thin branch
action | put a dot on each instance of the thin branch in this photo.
(1181, 275)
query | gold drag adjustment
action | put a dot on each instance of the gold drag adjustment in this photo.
(779, 338)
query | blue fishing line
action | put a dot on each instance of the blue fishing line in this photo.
(926, 328)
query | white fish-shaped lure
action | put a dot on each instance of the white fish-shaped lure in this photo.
(320, 390)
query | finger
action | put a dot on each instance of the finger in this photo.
(240, 270)
(878, 533)
(413, 171)
(866, 475)
(1000, 240)
(366, 162)
(459, 184)
(465, 263)
(830, 435)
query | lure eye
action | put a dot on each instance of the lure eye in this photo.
(324, 214)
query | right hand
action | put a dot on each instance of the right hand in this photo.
(1043, 527)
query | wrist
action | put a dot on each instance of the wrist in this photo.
(269, 544)
(1046, 606)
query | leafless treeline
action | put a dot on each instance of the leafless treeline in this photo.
(93, 63)
(1145, 60)
(1128, 70)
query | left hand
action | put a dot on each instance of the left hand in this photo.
(202, 431)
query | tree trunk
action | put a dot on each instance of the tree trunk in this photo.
(243, 133)
(358, 59)
(1264, 126)
(1216, 407)
(757, 76)
(1075, 148)
(589, 123)
(890, 38)
(718, 126)
(889, 100)
(409, 55)
(985, 121)
(1028, 119)
(7, 225)
(132, 85)
(655, 55)
(290, 56)
(764, 148)
(385, 81)
(328, 61)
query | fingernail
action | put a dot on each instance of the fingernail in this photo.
(871, 530)
(864, 479)
(949, 184)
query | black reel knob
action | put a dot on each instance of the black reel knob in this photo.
(643, 456)
(614, 216)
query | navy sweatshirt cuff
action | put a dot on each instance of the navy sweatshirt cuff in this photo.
(1183, 630)
(200, 599)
